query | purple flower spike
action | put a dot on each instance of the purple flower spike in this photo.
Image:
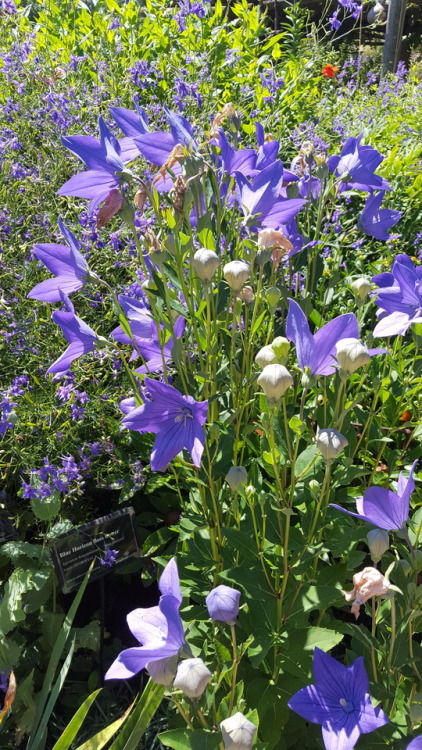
(400, 298)
(81, 337)
(339, 701)
(103, 161)
(223, 604)
(317, 352)
(416, 744)
(376, 221)
(66, 262)
(177, 421)
(159, 629)
(383, 508)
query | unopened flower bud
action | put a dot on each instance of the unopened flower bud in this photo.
(314, 487)
(281, 346)
(205, 263)
(367, 583)
(266, 356)
(361, 287)
(236, 273)
(223, 604)
(192, 677)
(274, 381)
(378, 543)
(351, 354)
(330, 443)
(236, 476)
(163, 671)
(238, 732)
(273, 295)
(247, 294)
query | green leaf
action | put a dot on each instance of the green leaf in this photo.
(186, 739)
(140, 718)
(306, 461)
(69, 734)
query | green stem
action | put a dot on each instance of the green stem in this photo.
(235, 667)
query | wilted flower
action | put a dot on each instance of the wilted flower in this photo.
(330, 443)
(274, 381)
(368, 583)
(192, 677)
(236, 273)
(340, 701)
(205, 263)
(361, 287)
(247, 294)
(223, 603)
(378, 543)
(266, 356)
(238, 732)
(236, 476)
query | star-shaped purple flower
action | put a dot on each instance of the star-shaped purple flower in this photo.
(376, 221)
(154, 353)
(260, 198)
(81, 337)
(383, 508)
(66, 262)
(104, 162)
(339, 701)
(400, 298)
(177, 421)
(317, 352)
(356, 165)
(132, 124)
(159, 629)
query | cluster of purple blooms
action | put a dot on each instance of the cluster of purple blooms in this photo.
(20, 385)
(51, 478)
(351, 8)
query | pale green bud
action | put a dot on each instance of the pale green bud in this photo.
(236, 273)
(236, 476)
(314, 487)
(378, 543)
(281, 346)
(205, 263)
(266, 356)
(273, 295)
(192, 677)
(351, 354)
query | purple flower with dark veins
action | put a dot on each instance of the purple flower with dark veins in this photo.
(159, 629)
(383, 508)
(376, 221)
(400, 298)
(339, 701)
(102, 157)
(66, 262)
(177, 421)
(81, 337)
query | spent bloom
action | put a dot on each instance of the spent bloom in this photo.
(238, 732)
(159, 630)
(339, 701)
(192, 677)
(383, 508)
(367, 583)
(176, 419)
(223, 603)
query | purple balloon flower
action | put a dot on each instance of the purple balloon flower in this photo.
(383, 508)
(339, 701)
(355, 166)
(376, 221)
(400, 298)
(154, 353)
(103, 159)
(223, 603)
(158, 629)
(317, 352)
(260, 197)
(81, 337)
(177, 421)
(416, 744)
(133, 124)
(66, 262)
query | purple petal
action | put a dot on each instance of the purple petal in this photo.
(395, 324)
(87, 149)
(357, 679)
(371, 718)
(408, 281)
(330, 676)
(156, 147)
(133, 660)
(74, 329)
(149, 625)
(281, 213)
(130, 123)
(59, 259)
(181, 129)
(128, 150)
(311, 705)
(297, 331)
(169, 583)
(150, 417)
(341, 737)
(406, 485)
(342, 327)
(169, 397)
(74, 351)
(168, 444)
(169, 606)
(415, 744)
(94, 184)
(49, 290)
(195, 441)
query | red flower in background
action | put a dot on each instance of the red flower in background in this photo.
(329, 71)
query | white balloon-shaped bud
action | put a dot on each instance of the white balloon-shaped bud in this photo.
(163, 671)
(236, 273)
(192, 677)
(236, 476)
(266, 356)
(361, 287)
(378, 543)
(205, 263)
(238, 732)
(351, 354)
(274, 381)
(330, 443)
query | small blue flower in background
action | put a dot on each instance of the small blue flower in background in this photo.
(339, 701)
